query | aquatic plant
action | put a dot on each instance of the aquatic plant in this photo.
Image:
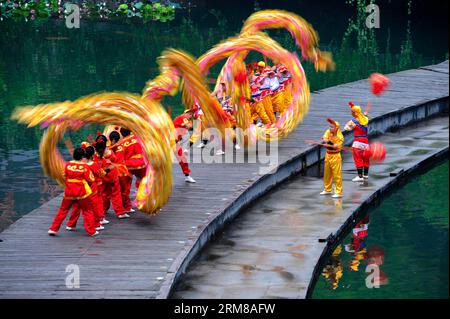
(406, 49)
(26, 10)
(359, 53)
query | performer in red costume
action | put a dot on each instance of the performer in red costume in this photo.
(96, 197)
(110, 187)
(360, 143)
(125, 178)
(77, 190)
(183, 124)
(132, 154)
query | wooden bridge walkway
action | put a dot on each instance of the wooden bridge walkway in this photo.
(140, 257)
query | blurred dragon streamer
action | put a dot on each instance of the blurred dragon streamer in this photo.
(152, 125)
(148, 119)
(252, 39)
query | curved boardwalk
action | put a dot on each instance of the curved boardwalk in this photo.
(271, 250)
(141, 257)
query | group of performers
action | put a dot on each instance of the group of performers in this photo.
(271, 91)
(271, 94)
(99, 175)
(333, 140)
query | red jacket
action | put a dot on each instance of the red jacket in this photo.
(78, 177)
(182, 125)
(104, 163)
(133, 156)
(118, 159)
(99, 173)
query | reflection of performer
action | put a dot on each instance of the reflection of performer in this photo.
(333, 270)
(7, 212)
(358, 245)
(360, 143)
(373, 255)
(333, 160)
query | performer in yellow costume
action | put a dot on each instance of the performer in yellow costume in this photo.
(257, 107)
(333, 160)
(286, 82)
(263, 83)
(277, 96)
(266, 94)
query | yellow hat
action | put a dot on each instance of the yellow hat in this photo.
(262, 64)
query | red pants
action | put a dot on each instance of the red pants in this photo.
(88, 215)
(360, 158)
(125, 188)
(96, 202)
(111, 193)
(139, 173)
(182, 160)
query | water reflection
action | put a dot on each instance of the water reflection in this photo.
(23, 187)
(395, 247)
(405, 253)
(362, 258)
(333, 270)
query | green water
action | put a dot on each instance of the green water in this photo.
(410, 230)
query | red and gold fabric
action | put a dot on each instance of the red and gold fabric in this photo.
(133, 153)
(182, 125)
(95, 198)
(78, 177)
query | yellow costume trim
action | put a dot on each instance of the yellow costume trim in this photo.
(362, 119)
(87, 188)
(333, 163)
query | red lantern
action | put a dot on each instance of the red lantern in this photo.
(379, 83)
(377, 152)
